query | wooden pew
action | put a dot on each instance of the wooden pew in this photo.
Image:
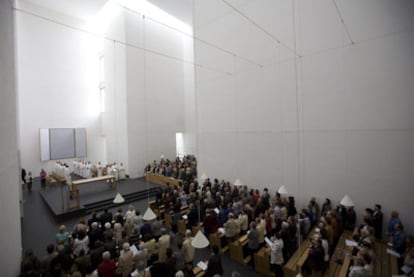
(297, 260)
(168, 219)
(236, 250)
(197, 271)
(182, 226)
(220, 240)
(386, 264)
(343, 253)
(162, 180)
(291, 268)
(262, 262)
(394, 265)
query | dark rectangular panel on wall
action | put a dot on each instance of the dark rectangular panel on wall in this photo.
(80, 142)
(62, 143)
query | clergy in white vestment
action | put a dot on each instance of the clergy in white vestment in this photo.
(74, 163)
(88, 170)
(83, 169)
(68, 178)
(114, 171)
(99, 169)
(121, 171)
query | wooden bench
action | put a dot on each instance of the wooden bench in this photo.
(297, 260)
(75, 190)
(168, 218)
(219, 239)
(343, 253)
(386, 264)
(291, 268)
(198, 272)
(262, 262)
(162, 180)
(237, 251)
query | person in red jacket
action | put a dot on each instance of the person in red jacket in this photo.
(107, 267)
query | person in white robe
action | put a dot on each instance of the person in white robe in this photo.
(99, 168)
(88, 170)
(114, 171)
(121, 172)
(68, 179)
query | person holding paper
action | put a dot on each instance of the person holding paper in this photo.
(276, 254)
(68, 179)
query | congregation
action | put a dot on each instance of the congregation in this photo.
(124, 244)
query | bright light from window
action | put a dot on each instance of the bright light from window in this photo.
(99, 24)
(146, 8)
(101, 69)
(179, 143)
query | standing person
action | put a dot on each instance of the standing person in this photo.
(253, 238)
(316, 257)
(276, 255)
(68, 179)
(43, 175)
(29, 181)
(108, 266)
(377, 220)
(24, 176)
(214, 264)
(188, 248)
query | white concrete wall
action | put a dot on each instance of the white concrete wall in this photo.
(58, 84)
(158, 80)
(335, 120)
(144, 81)
(9, 162)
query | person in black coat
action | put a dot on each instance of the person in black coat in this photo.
(377, 221)
(105, 217)
(214, 264)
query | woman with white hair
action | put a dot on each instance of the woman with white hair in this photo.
(108, 266)
(126, 260)
(130, 214)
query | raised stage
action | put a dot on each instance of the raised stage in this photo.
(95, 196)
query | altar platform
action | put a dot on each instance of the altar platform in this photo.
(96, 196)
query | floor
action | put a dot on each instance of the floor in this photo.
(39, 227)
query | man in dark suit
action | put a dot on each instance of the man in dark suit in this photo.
(214, 264)
(105, 217)
(377, 221)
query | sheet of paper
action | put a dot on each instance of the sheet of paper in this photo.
(393, 252)
(134, 249)
(351, 243)
(134, 273)
(406, 269)
(202, 265)
(268, 241)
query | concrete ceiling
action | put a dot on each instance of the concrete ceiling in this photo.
(85, 9)
(278, 28)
